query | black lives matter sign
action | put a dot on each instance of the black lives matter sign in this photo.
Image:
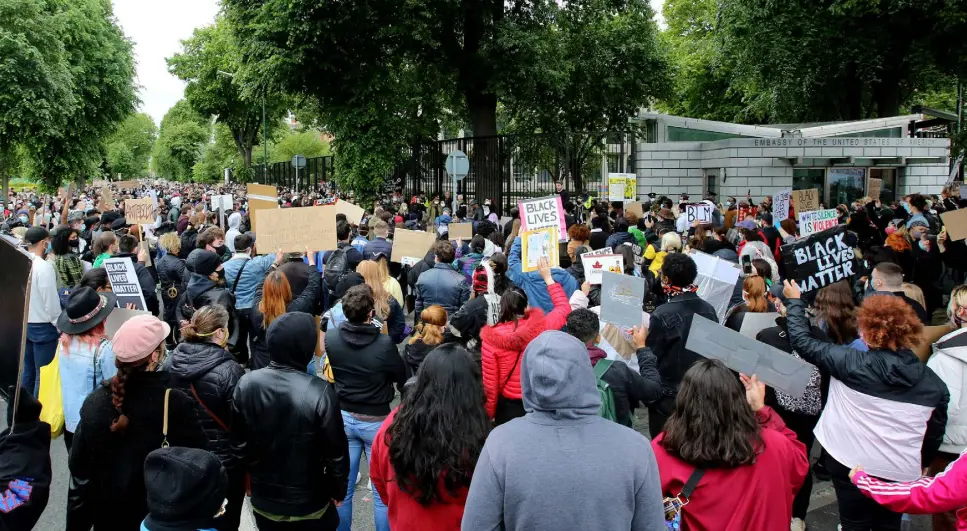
(821, 259)
(124, 283)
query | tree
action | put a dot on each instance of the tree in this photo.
(129, 148)
(210, 63)
(182, 134)
(217, 155)
(306, 143)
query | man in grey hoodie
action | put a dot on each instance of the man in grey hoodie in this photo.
(561, 466)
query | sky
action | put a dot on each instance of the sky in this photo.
(157, 29)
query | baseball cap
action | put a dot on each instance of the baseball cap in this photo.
(35, 235)
(137, 338)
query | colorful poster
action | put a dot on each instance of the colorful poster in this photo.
(631, 187)
(537, 244)
(617, 183)
(595, 265)
(817, 221)
(542, 213)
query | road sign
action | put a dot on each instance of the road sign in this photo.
(458, 165)
(298, 162)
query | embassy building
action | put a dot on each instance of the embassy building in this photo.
(908, 154)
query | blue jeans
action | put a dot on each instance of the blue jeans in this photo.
(39, 350)
(360, 435)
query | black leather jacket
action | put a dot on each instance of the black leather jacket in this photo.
(173, 275)
(668, 333)
(287, 426)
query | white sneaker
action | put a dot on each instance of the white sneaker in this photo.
(797, 525)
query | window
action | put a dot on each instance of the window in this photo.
(806, 178)
(711, 182)
(888, 187)
(681, 134)
(846, 185)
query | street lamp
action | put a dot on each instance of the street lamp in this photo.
(265, 138)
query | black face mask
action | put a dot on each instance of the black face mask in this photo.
(74, 244)
(221, 250)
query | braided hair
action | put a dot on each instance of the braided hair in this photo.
(125, 370)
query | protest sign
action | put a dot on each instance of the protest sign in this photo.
(118, 317)
(595, 265)
(874, 188)
(139, 211)
(805, 200)
(463, 231)
(955, 222)
(263, 190)
(411, 243)
(617, 182)
(702, 213)
(631, 186)
(354, 214)
(124, 283)
(635, 208)
(621, 299)
(14, 302)
(821, 259)
(107, 200)
(817, 221)
(753, 323)
(256, 205)
(774, 367)
(410, 261)
(780, 206)
(537, 244)
(716, 281)
(127, 185)
(541, 213)
(223, 202)
(603, 250)
(296, 229)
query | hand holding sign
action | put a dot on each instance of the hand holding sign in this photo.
(791, 290)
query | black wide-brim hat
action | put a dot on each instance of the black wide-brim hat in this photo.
(85, 309)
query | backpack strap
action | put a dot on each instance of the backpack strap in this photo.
(97, 354)
(239, 277)
(602, 367)
(164, 425)
(692, 482)
(211, 413)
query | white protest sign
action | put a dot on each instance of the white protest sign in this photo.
(124, 283)
(817, 221)
(701, 213)
(223, 202)
(780, 206)
(596, 265)
(543, 213)
(617, 182)
(603, 250)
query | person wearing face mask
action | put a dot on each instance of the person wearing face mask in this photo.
(203, 369)
(207, 287)
(76, 222)
(65, 245)
(211, 239)
(43, 311)
(105, 247)
(915, 205)
(436, 208)
(23, 217)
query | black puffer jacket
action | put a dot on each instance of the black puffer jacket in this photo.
(287, 428)
(423, 265)
(365, 364)
(173, 274)
(304, 302)
(208, 374)
(203, 291)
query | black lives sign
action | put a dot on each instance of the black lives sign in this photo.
(821, 259)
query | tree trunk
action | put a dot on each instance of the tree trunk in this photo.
(483, 113)
(6, 193)
(886, 94)
(247, 156)
(486, 162)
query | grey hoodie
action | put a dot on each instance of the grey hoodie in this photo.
(562, 466)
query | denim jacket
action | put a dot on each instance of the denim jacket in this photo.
(81, 373)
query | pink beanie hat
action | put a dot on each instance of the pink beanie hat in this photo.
(138, 337)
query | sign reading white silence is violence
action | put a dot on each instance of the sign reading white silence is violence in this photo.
(821, 259)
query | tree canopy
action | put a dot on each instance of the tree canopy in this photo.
(182, 135)
(129, 149)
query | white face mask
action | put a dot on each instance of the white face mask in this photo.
(486, 211)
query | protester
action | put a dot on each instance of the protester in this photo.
(533, 284)
(503, 344)
(365, 365)
(753, 301)
(207, 287)
(86, 359)
(65, 246)
(120, 425)
(128, 248)
(295, 480)
(426, 449)
(244, 273)
(598, 238)
(379, 245)
(234, 231)
(467, 263)
(835, 313)
(390, 284)
(186, 489)
(173, 276)
(671, 242)
(578, 235)
(43, 311)
(273, 299)
(668, 332)
(105, 247)
(344, 259)
(201, 367)
(429, 335)
(388, 310)
(887, 278)
(562, 402)
(442, 285)
(904, 403)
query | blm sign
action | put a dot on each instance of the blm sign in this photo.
(821, 259)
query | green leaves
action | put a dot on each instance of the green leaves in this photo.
(182, 135)
(129, 148)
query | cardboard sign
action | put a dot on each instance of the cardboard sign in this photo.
(635, 208)
(821, 259)
(955, 222)
(118, 317)
(603, 250)
(780, 206)
(753, 323)
(617, 182)
(701, 213)
(464, 231)
(743, 354)
(255, 205)
(124, 283)
(265, 191)
(354, 214)
(14, 303)
(107, 200)
(542, 213)
(621, 299)
(411, 243)
(296, 229)
(596, 265)
(874, 188)
(817, 221)
(805, 200)
(139, 211)
(127, 185)
(537, 244)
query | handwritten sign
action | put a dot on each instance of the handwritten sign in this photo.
(874, 188)
(223, 202)
(621, 299)
(817, 221)
(701, 213)
(537, 244)
(127, 185)
(296, 229)
(139, 211)
(411, 243)
(124, 283)
(463, 231)
(805, 200)
(617, 182)
(780, 206)
(821, 259)
(542, 213)
(107, 200)
(595, 265)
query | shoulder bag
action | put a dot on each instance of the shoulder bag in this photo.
(674, 506)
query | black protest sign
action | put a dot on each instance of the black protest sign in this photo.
(14, 300)
(821, 259)
(124, 283)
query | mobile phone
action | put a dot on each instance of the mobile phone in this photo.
(747, 265)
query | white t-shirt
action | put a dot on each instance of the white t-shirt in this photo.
(44, 302)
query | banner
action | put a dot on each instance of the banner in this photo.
(821, 259)
(14, 301)
(127, 185)
(780, 206)
(542, 213)
(293, 230)
(617, 182)
(955, 222)
(139, 211)
(805, 200)
(537, 244)
(817, 221)
(621, 299)
(595, 265)
(124, 283)
(411, 243)
(701, 212)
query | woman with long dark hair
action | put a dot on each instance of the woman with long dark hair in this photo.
(489, 283)
(746, 462)
(65, 245)
(835, 312)
(425, 452)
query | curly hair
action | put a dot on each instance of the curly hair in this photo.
(898, 241)
(440, 427)
(888, 322)
(579, 232)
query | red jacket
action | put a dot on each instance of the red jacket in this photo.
(405, 513)
(947, 491)
(756, 496)
(503, 345)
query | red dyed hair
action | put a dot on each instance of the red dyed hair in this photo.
(888, 322)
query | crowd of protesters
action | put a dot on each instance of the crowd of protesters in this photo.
(481, 395)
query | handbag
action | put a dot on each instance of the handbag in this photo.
(674, 505)
(211, 413)
(51, 396)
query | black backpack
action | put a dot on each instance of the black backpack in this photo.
(337, 267)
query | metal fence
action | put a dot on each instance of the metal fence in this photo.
(318, 172)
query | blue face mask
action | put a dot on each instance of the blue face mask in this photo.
(23, 219)
(906, 206)
(49, 247)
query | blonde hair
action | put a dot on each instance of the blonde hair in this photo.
(914, 292)
(383, 270)
(958, 299)
(170, 242)
(369, 270)
(436, 316)
(204, 323)
(671, 242)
